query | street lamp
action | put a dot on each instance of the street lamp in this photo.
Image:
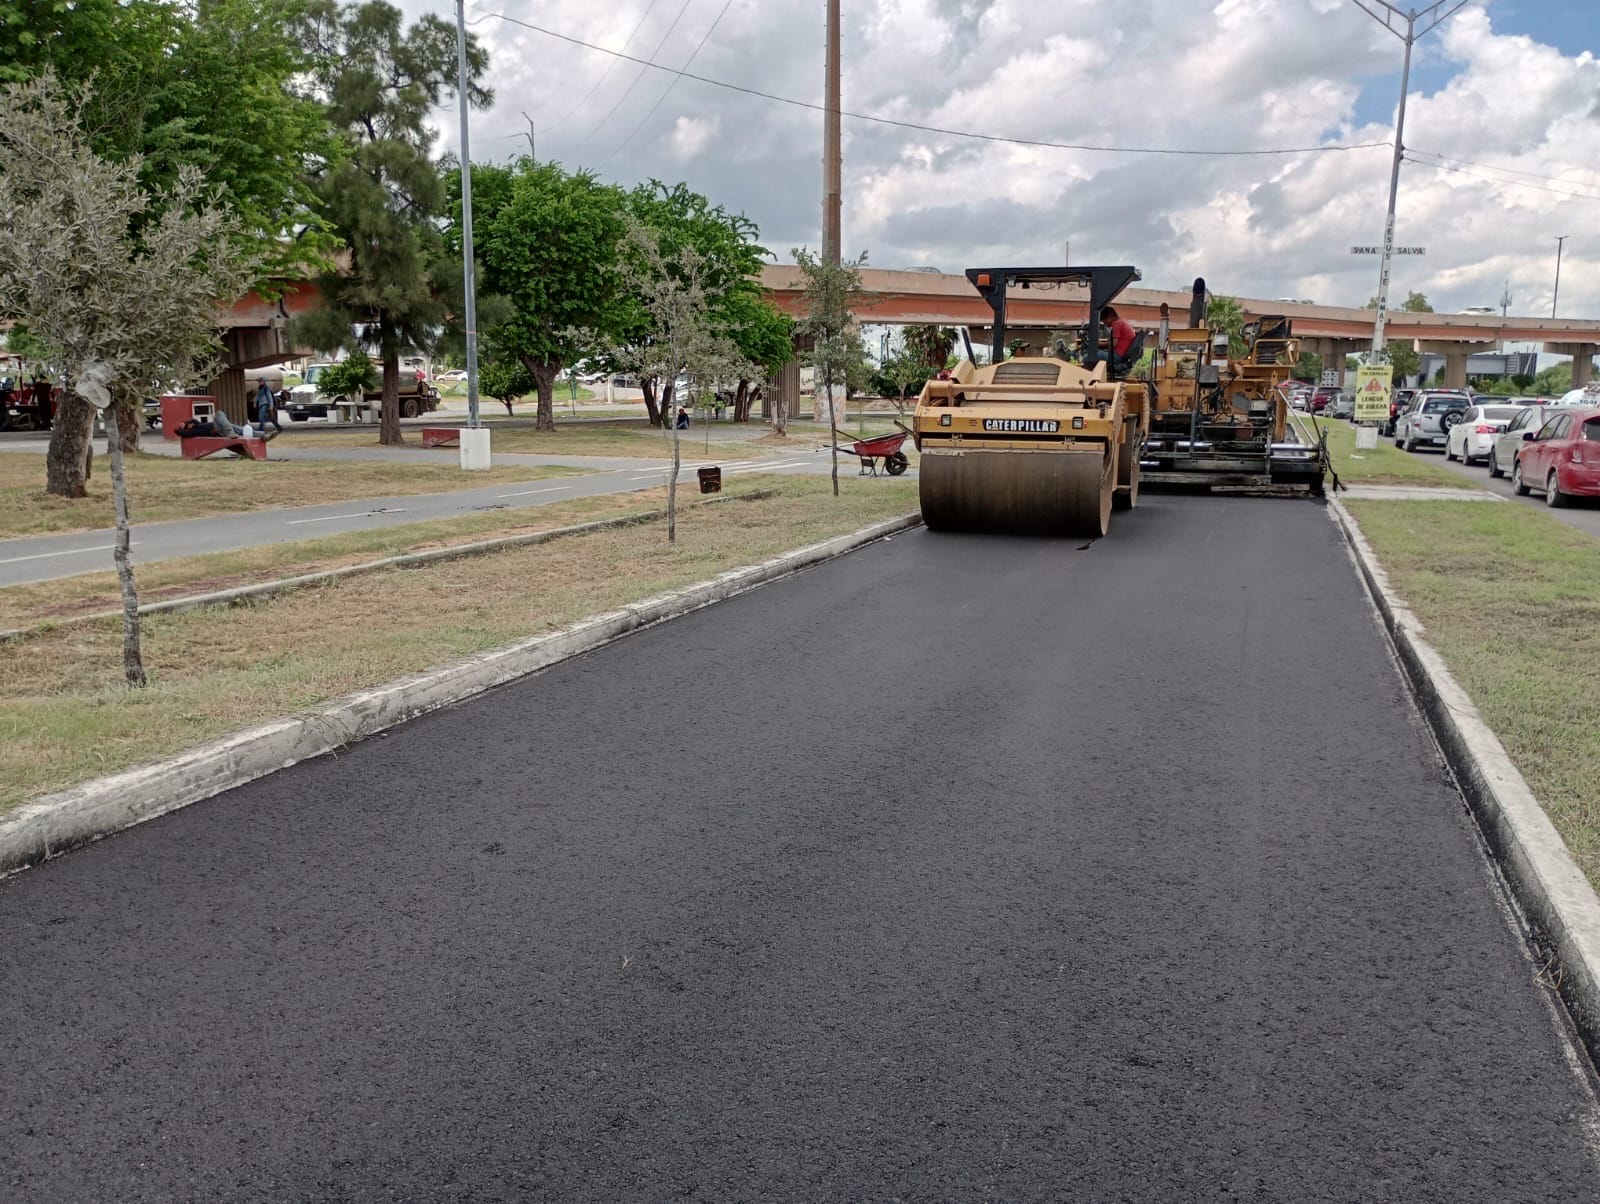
(1561, 239)
(469, 283)
(1431, 16)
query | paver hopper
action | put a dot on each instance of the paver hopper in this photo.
(1032, 444)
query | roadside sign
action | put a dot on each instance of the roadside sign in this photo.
(1360, 250)
(1373, 383)
(1330, 376)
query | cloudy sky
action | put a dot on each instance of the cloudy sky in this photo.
(1504, 108)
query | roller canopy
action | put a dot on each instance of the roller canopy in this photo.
(1104, 283)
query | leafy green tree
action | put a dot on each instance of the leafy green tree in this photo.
(1308, 367)
(833, 293)
(1404, 358)
(1415, 303)
(765, 335)
(385, 196)
(1553, 381)
(727, 252)
(354, 376)
(547, 242)
(213, 87)
(689, 336)
(902, 375)
(82, 245)
(506, 380)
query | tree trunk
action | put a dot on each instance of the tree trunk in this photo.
(510, 405)
(741, 402)
(389, 432)
(669, 420)
(778, 408)
(652, 407)
(71, 447)
(132, 657)
(544, 377)
(833, 439)
(129, 419)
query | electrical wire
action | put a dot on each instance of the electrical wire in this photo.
(673, 84)
(650, 62)
(934, 129)
(1470, 171)
(606, 74)
(1529, 175)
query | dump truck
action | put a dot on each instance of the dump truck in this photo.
(1035, 444)
(307, 399)
(1223, 421)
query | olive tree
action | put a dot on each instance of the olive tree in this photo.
(83, 244)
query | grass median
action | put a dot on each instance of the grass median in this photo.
(1385, 464)
(1511, 599)
(162, 488)
(65, 716)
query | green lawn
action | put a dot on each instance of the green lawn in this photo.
(1386, 464)
(1511, 599)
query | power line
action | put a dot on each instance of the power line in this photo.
(662, 98)
(934, 129)
(651, 62)
(606, 74)
(1530, 175)
(1471, 171)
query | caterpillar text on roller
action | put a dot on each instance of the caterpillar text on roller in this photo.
(1035, 444)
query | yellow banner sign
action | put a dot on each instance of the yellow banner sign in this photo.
(1372, 392)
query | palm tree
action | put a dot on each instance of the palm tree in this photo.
(1226, 314)
(931, 344)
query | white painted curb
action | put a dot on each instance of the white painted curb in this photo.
(59, 822)
(1549, 886)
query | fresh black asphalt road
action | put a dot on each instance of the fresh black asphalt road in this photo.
(957, 869)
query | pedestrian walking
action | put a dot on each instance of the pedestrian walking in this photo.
(266, 409)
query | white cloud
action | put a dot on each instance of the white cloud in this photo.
(1182, 74)
(691, 135)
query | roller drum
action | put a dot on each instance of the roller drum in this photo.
(1023, 492)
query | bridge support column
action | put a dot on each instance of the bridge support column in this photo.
(1582, 360)
(1455, 358)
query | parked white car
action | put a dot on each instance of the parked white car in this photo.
(453, 376)
(1503, 448)
(1472, 439)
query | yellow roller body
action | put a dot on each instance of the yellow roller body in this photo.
(1032, 446)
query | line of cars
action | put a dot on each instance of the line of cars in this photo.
(1545, 445)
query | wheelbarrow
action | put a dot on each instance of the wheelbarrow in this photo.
(879, 447)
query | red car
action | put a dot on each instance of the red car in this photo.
(1323, 397)
(1562, 459)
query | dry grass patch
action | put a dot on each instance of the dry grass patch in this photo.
(621, 440)
(90, 593)
(65, 716)
(162, 488)
(1511, 599)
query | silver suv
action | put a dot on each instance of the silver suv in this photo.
(1427, 421)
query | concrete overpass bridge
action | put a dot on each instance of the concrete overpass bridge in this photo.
(915, 298)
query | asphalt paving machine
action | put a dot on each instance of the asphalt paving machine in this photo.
(1045, 444)
(1222, 421)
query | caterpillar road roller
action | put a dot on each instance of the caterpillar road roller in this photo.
(1223, 421)
(1033, 444)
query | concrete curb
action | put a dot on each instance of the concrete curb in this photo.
(267, 589)
(1552, 891)
(59, 822)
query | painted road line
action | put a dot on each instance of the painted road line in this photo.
(528, 492)
(333, 518)
(105, 547)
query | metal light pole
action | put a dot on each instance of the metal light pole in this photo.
(1557, 296)
(468, 273)
(1431, 15)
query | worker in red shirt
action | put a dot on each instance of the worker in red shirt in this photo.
(1119, 331)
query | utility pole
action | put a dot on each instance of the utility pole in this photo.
(1557, 295)
(1505, 300)
(1430, 15)
(832, 198)
(474, 449)
(533, 150)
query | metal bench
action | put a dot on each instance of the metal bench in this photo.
(198, 447)
(438, 436)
